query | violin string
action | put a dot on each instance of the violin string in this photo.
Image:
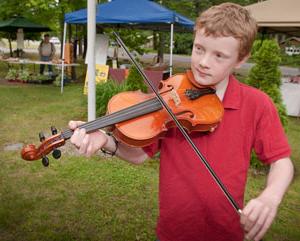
(122, 114)
(112, 118)
(128, 114)
(116, 117)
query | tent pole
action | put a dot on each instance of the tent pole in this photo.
(171, 49)
(63, 60)
(91, 70)
(10, 47)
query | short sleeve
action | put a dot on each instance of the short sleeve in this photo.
(270, 141)
(152, 149)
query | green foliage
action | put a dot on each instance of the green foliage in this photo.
(257, 165)
(266, 76)
(40, 79)
(204, 4)
(293, 61)
(187, 8)
(183, 43)
(57, 81)
(12, 74)
(256, 46)
(104, 92)
(46, 12)
(24, 75)
(135, 81)
(133, 39)
(10, 8)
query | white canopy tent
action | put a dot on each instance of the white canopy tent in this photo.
(277, 16)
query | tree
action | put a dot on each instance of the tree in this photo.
(205, 4)
(10, 8)
(265, 74)
(46, 12)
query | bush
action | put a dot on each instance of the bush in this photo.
(266, 76)
(293, 61)
(183, 43)
(256, 46)
(104, 92)
(135, 81)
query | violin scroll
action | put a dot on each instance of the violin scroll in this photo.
(32, 153)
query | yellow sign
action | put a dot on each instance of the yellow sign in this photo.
(101, 76)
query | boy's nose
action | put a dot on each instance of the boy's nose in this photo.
(204, 62)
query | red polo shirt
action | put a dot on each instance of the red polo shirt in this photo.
(192, 207)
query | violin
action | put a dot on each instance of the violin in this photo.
(138, 119)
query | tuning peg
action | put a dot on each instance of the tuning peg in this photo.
(45, 161)
(53, 130)
(41, 136)
(56, 153)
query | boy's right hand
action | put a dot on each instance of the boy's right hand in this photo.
(87, 144)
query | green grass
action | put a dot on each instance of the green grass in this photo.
(77, 198)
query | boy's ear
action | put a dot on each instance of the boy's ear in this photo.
(239, 63)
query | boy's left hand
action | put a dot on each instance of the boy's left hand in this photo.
(257, 216)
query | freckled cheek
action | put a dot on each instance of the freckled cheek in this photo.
(225, 69)
(194, 60)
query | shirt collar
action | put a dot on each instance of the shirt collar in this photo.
(232, 97)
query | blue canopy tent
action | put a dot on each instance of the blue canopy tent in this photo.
(138, 14)
(143, 14)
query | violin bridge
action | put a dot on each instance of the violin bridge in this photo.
(174, 95)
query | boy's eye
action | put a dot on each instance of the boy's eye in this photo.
(219, 55)
(199, 49)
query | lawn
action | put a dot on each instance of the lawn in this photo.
(76, 198)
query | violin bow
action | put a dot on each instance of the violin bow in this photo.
(180, 127)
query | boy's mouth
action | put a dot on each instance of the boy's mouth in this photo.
(202, 74)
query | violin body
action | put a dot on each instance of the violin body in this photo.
(201, 114)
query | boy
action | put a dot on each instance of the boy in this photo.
(192, 208)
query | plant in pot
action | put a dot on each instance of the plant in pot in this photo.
(24, 76)
(12, 75)
(40, 79)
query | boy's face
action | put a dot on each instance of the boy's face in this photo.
(214, 58)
